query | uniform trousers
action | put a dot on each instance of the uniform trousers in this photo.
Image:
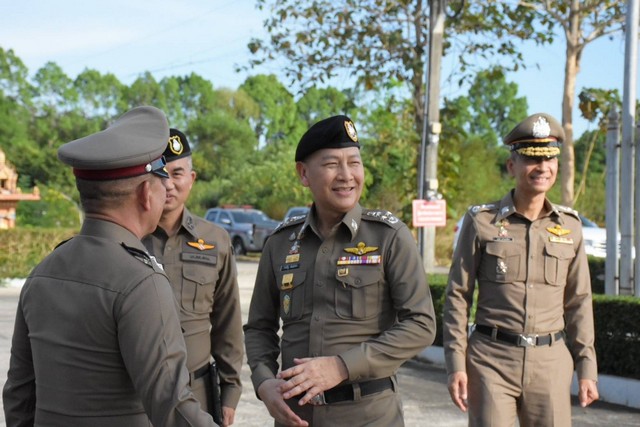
(531, 383)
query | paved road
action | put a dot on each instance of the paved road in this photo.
(423, 386)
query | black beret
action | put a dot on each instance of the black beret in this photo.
(539, 135)
(132, 145)
(178, 146)
(334, 132)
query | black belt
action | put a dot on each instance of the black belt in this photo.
(200, 372)
(346, 392)
(520, 340)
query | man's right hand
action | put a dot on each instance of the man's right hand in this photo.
(458, 389)
(273, 400)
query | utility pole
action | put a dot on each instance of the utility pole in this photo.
(428, 185)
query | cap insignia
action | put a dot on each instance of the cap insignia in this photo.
(201, 245)
(361, 249)
(351, 130)
(541, 128)
(175, 145)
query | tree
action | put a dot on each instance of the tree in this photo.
(582, 22)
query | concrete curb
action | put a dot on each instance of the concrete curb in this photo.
(612, 389)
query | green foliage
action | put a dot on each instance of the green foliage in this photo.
(54, 209)
(22, 249)
(617, 323)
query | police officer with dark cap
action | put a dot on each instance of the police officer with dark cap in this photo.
(534, 317)
(97, 340)
(348, 287)
(197, 257)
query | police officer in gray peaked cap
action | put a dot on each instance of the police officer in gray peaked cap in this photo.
(534, 317)
(96, 335)
(348, 286)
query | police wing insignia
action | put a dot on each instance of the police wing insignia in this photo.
(558, 230)
(201, 245)
(361, 249)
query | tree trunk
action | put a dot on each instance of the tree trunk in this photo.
(572, 67)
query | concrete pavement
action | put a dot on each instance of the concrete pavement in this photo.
(423, 385)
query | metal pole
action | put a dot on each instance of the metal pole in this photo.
(627, 167)
(436, 31)
(611, 285)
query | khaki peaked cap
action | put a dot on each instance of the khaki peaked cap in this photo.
(539, 135)
(132, 145)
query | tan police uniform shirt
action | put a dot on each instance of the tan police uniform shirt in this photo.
(360, 294)
(202, 271)
(533, 278)
(97, 340)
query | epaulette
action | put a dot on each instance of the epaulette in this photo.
(567, 210)
(144, 257)
(385, 217)
(475, 209)
(62, 243)
(298, 219)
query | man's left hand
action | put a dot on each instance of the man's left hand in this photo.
(228, 416)
(312, 376)
(588, 392)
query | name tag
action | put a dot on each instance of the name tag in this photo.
(564, 240)
(199, 257)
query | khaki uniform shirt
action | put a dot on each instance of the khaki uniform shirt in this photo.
(202, 271)
(360, 294)
(97, 340)
(533, 278)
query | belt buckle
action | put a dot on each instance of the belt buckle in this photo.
(527, 340)
(318, 399)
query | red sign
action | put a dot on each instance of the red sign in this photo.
(429, 213)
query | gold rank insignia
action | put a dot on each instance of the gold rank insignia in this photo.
(201, 245)
(361, 249)
(287, 281)
(558, 230)
(292, 258)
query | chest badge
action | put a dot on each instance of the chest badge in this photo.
(287, 282)
(361, 249)
(501, 268)
(286, 304)
(502, 227)
(201, 245)
(558, 230)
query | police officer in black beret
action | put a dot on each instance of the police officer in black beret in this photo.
(97, 338)
(534, 318)
(348, 286)
(197, 257)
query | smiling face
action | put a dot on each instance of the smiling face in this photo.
(534, 175)
(181, 178)
(335, 177)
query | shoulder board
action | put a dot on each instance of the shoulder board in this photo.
(475, 209)
(143, 257)
(385, 217)
(298, 219)
(567, 210)
(62, 243)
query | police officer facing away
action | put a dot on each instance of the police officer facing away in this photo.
(97, 340)
(534, 318)
(347, 286)
(197, 257)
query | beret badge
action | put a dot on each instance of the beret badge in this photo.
(351, 130)
(175, 145)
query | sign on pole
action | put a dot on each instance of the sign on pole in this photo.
(429, 213)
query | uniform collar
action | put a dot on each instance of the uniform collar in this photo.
(112, 231)
(188, 222)
(506, 208)
(351, 220)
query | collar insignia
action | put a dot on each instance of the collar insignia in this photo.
(201, 245)
(361, 249)
(558, 230)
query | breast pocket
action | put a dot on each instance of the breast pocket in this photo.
(358, 293)
(502, 262)
(198, 285)
(557, 258)
(292, 295)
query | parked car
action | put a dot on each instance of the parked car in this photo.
(595, 237)
(296, 211)
(247, 228)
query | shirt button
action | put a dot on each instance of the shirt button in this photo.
(319, 284)
(325, 250)
(316, 318)
(530, 286)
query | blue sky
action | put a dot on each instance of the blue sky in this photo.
(209, 37)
